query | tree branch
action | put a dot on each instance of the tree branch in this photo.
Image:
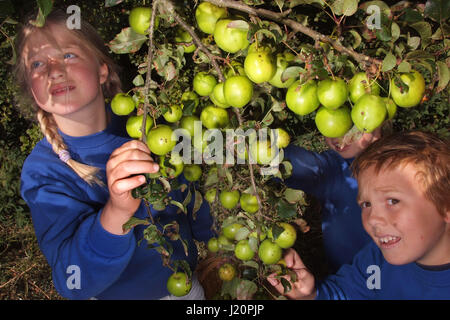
(149, 72)
(296, 27)
(169, 7)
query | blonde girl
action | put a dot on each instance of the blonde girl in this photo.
(77, 181)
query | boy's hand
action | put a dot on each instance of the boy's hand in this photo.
(124, 172)
(304, 287)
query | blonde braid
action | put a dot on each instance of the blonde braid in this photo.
(49, 129)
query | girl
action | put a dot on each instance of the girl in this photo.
(78, 179)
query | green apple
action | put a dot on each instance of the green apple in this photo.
(369, 112)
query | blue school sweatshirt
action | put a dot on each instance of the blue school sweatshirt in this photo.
(370, 276)
(86, 260)
(327, 176)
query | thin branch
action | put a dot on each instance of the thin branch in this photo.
(149, 72)
(169, 7)
(297, 27)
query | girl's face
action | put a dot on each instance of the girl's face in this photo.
(404, 224)
(354, 147)
(65, 77)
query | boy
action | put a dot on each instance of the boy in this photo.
(404, 183)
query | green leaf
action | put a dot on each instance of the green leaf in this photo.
(438, 10)
(389, 62)
(444, 75)
(179, 205)
(286, 210)
(112, 3)
(245, 289)
(357, 39)
(138, 81)
(133, 221)
(45, 7)
(242, 234)
(127, 41)
(239, 24)
(419, 55)
(152, 234)
(197, 204)
(424, 29)
(413, 42)
(345, 7)
(395, 31)
(411, 16)
(183, 265)
(276, 231)
(291, 72)
(404, 66)
(286, 285)
(294, 196)
(294, 3)
(384, 34)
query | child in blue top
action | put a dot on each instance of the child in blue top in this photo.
(404, 183)
(78, 180)
(327, 176)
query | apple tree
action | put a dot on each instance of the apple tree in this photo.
(241, 80)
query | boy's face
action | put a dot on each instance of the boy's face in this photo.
(355, 146)
(404, 224)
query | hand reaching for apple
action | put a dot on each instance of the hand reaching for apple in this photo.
(125, 171)
(304, 287)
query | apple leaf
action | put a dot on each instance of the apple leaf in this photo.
(291, 72)
(444, 75)
(45, 7)
(404, 66)
(357, 39)
(438, 10)
(238, 24)
(179, 205)
(198, 200)
(389, 62)
(245, 289)
(184, 265)
(424, 29)
(286, 285)
(127, 41)
(133, 222)
(293, 196)
(112, 3)
(242, 234)
(345, 7)
(286, 210)
(294, 3)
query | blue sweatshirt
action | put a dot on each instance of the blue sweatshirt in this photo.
(327, 176)
(65, 212)
(372, 277)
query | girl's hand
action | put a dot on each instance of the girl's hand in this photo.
(304, 287)
(124, 172)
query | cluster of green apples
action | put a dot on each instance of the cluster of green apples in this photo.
(330, 96)
(246, 245)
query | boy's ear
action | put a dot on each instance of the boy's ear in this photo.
(103, 73)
